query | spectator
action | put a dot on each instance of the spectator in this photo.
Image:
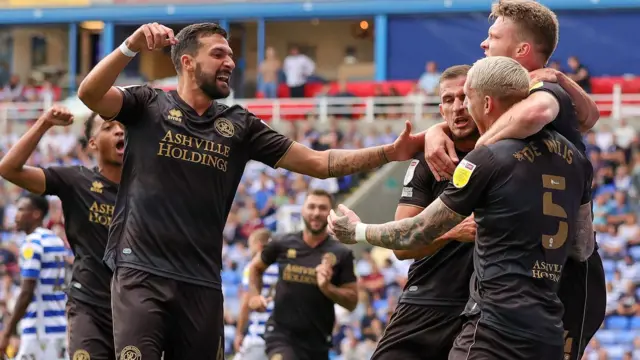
(269, 70)
(430, 79)
(297, 69)
(579, 73)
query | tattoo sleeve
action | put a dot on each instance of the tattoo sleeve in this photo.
(417, 231)
(585, 241)
(347, 162)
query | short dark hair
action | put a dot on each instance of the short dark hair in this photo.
(454, 72)
(320, 192)
(88, 125)
(39, 202)
(534, 20)
(188, 40)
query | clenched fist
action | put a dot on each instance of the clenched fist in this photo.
(57, 116)
(151, 36)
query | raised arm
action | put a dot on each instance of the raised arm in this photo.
(12, 165)
(523, 119)
(97, 91)
(337, 163)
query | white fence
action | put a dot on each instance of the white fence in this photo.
(415, 107)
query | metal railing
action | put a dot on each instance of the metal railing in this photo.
(414, 107)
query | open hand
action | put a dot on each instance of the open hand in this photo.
(343, 227)
(544, 74)
(440, 153)
(150, 37)
(407, 144)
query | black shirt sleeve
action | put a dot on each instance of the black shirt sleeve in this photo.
(58, 180)
(135, 100)
(266, 145)
(566, 123)
(345, 270)
(417, 190)
(470, 181)
(270, 252)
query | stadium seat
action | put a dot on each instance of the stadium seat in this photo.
(617, 323)
(635, 323)
(625, 337)
(635, 252)
(607, 337)
(609, 266)
(616, 352)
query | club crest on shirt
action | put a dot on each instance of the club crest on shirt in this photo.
(130, 353)
(291, 253)
(410, 172)
(96, 187)
(175, 115)
(462, 174)
(81, 355)
(224, 127)
(330, 258)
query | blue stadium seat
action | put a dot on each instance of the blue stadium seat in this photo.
(635, 252)
(635, 323)
(607, 337)
(616, 352)
(609, 266)
(617, 323)
(625, 337)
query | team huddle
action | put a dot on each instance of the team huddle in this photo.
(495, 211)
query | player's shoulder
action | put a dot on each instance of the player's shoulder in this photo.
(143, 90)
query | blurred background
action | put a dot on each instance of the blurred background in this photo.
(332, 74)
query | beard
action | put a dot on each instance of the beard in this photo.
(208, 83)
(313, 231)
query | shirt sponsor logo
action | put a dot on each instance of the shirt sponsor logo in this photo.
(407, 192)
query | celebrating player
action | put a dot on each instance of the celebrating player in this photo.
(427, 318)
(525, 197)
(184, 158)
(88, 197)
(252, 346)
(316, 272)
(528, 32)
(40, 305)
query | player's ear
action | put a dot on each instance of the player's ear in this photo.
(188, 62)
(488, 105)
(441, 112)
(92, 144)
(523, 49)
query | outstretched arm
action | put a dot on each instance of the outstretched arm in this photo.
(337, 163)
(415, 232)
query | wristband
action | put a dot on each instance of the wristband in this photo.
(361, 233)
(124, 49)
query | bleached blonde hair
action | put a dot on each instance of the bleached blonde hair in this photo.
(499, 77)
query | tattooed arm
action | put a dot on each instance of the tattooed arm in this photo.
(415, 232)
(523, 119)
(584, 242)
(337, 163)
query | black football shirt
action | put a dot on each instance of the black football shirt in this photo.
(442, 279)
(300, 308)
(180, 174)
(525, 195)
(88, 201)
